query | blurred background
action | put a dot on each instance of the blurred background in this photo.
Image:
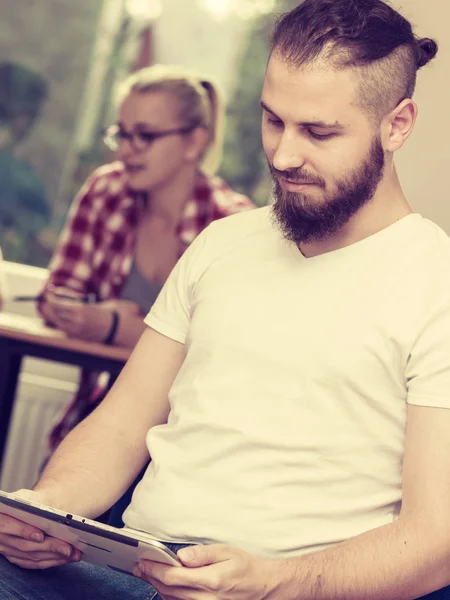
(70, 56)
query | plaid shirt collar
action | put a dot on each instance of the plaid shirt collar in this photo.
(212, 198)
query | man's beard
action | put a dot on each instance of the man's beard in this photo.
(303, 219)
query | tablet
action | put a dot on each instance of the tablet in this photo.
(110, 547)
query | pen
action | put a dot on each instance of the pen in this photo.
(88, 299)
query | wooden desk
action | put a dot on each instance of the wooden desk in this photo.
(24, 336)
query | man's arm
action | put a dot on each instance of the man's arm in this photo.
(400, 561)
(403, 560)
(406, 559)
(100, 458)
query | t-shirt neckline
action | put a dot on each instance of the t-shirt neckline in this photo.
(361, 245)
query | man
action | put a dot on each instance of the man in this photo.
(305, 351)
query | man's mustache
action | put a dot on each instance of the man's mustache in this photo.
(297, 176)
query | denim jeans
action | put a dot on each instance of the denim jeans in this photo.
(78, 581)
(443, 594)
(82, 581)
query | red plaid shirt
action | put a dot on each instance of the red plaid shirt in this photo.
(96, 249)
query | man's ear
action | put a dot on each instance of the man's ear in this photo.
(197, 143)
(398, 125)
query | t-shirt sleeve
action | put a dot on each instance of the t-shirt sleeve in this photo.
(171, 312)
(428, 369)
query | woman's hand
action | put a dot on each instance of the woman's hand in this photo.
(125, 308)
(28, 547)
(66, 310)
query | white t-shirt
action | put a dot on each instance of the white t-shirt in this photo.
(287, 418)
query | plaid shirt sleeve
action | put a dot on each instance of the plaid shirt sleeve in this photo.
(71, 264)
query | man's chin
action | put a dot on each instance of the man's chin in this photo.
(302, 205)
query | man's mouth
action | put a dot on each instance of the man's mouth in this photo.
(294, 182)
(298, 181)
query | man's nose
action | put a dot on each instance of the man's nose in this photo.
(290, 153)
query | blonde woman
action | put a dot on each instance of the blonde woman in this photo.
(134, 218)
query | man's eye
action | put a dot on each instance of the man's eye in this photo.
(274, 122)
(321, 136)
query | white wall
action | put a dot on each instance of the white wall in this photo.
(424, 161)
(186, 34)
(44, 387)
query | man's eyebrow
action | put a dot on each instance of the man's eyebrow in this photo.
(323, 125)
(320, 124)
(267, 109)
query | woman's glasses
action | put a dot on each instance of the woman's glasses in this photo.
(139, 140)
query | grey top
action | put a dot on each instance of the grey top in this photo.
(140, 290)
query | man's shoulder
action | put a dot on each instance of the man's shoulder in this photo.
(229, 243)
(429, 259)
(242, 224)
(234, 234)
(434, 241)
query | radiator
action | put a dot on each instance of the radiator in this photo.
(39, 399)
(44, 387)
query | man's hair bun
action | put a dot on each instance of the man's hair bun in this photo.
(426, 51)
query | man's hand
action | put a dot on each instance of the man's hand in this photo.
(216, 572)
(28, 547)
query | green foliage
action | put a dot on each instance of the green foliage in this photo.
(53, 38)
(244, 165)
(244, 162)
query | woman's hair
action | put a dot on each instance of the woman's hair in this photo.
(366, 35)
(198, 99)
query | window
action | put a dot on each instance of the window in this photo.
(60, 60)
